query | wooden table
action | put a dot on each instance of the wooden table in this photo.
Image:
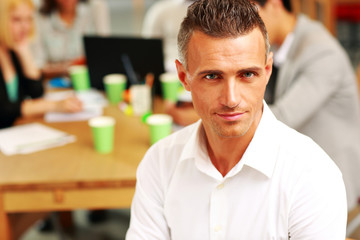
(73, 176)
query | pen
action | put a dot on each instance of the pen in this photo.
(149, 79)
(129, 69)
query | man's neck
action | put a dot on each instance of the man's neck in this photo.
(68, 16)
(288, 26)
(223, 156)
(226, 152)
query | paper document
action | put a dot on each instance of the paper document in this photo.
(30, 138)
(93, 103)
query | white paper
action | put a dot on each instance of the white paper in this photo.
(93, 102)
(30, 138)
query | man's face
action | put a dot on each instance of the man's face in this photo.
(227, 79)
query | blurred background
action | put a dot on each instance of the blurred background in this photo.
(341, 17)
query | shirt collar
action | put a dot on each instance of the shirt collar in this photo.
(280, 54)
(260, 155)
(196, 146)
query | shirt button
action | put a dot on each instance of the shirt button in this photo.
(220, 186)
(218, 228)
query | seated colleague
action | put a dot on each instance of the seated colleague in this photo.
(62, 24)
(20, 80)
(239, 173)
(163, 20)
(315, 90)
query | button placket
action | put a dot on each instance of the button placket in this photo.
(218, 212)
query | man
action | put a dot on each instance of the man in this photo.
(315, 90)
(238, 173)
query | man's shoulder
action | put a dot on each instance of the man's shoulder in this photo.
(312, 37)
(165, 155)
(178, 139)
(302, 152)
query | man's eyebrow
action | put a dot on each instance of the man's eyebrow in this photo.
(250, 69)
(219, 72)
(205, 72)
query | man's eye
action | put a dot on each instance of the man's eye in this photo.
(248, 74)
(211, 76)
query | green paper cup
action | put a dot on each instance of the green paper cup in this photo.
(115, 85)
(102, 129)
(170, 86)
(160, 126)
(80, 78)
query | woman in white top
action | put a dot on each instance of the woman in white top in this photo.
(62, 24)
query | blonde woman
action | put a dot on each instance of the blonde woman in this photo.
(20, 80)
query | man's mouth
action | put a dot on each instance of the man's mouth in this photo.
(233, 116)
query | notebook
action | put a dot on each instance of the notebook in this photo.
(133, 56)
(30, 138)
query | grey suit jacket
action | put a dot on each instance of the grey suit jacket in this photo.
(316, 94)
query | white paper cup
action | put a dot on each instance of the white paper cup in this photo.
(140, 95)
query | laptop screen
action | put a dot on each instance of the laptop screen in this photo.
(133, 56)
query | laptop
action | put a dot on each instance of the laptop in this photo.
(133, 56)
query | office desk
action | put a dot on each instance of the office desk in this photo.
(73, 176)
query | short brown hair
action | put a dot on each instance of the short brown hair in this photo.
(50, 6)
(6, 6)
(220, 19)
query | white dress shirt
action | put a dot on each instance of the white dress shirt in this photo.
(280, 54)
(284, 187)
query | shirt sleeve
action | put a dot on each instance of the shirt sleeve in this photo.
(147, 209)
(318, 209)
(9, 112)
(33, 87)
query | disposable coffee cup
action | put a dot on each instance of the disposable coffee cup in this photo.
(170, 86)
(80, 78)
(140, 95)
(160, 126)
(115, 85)
(102, 129)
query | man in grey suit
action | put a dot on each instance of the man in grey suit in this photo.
(315, 90)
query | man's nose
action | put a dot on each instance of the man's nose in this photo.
(230, 93)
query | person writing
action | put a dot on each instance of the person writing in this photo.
(238, 173)
(21, 86)
(314, 90)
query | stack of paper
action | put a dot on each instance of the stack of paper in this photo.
(30, 138)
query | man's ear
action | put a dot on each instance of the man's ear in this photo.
(182, 74)
(268, 66)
